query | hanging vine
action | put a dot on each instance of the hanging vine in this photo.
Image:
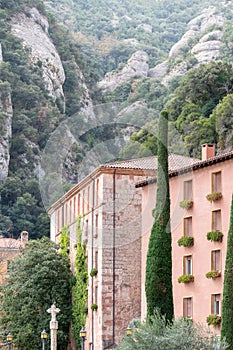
(81, 283)
(64, 240)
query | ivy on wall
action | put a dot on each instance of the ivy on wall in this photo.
(81, 283)
(64, 240)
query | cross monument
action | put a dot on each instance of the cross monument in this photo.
(53, 326)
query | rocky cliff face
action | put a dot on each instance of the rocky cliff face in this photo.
(202, 41)
(33, 30)
(137, 66)
(6, 113)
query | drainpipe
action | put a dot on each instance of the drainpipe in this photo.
(114, 257)
(92, 261)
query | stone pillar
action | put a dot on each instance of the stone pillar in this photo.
(53, 326)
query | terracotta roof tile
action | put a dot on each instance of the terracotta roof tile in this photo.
(151, 163)
(10, 243)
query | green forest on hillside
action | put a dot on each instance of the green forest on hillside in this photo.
(94, 37)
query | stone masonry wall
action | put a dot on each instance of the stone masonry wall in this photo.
(122, 275)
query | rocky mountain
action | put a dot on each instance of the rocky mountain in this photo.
(73, 93)
(202, 42)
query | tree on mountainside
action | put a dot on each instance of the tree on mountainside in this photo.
(38, 277)
(223, 116)
(159, 256)
(195, 99)
(227, 304)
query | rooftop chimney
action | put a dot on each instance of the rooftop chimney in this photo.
(24, 236)
(208, 151)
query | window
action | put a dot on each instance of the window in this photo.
(58, 220)
(187, 308)
(88, 198)
(216, 260)
(97, 193)
(187, 265)
(216, 182)
(216, 220)
(188, 190)
(188, 226)
(79, 203)
(96, 259)
(216, 304)
(74, 208)
(70, 212)
(96, 225)
(96, 295)
(83, 203)
(86, 229)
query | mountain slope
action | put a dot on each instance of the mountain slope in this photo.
(124, 62)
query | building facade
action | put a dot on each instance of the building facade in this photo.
(111, 210)
(200, 211)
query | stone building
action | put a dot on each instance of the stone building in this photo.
(9, 249)
(111, 207)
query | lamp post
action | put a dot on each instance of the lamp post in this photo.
(43, 336)
(9, 339)
(83, 334)
(128, 330)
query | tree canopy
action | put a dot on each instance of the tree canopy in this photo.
(38, 277)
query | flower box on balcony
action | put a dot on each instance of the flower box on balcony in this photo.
(94, 307)
(214, 320)
(93, 272)
(186, 241)
(213, 274)
(186, 204)
(214, 196)
(215, 236)
(186, 279)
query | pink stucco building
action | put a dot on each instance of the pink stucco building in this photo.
(212, 175)
(116, 202)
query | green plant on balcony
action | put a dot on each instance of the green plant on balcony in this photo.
(94, 307)
(93, 272)
(214, 196)
(213, 274)
(186, 204)
(186, 241)
(214, 320)
(215, 236)
(186, 278)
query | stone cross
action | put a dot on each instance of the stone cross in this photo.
(53, 326)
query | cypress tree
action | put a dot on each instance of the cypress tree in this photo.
(227, 303)
(159, 256)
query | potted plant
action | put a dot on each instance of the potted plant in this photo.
(186, 278)
(215, 236)
(186, 241)
(214, 320)
(214, 196)
(94, 307)
(186, 204)
(93, 272)
(213, 274)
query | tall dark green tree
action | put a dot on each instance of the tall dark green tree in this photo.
(227, 303)
(159, 257)
(38, 277)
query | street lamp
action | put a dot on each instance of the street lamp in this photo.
(43, 336)
(83, 334)
(128, 330)
(9, 339)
